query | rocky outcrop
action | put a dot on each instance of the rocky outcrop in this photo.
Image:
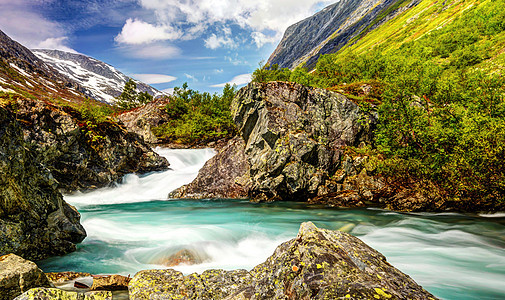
(141, 120)
(225, 176)
(57, 294)
(18, 275)
(296, 139)
(81, 153)
(317, 264)
(35, 222)
(332, 28)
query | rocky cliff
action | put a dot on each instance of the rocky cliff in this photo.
(317, 264)
(82, 153)
(332, 28)
(35, 222)
(296, 139)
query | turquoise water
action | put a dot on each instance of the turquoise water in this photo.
(453, 256)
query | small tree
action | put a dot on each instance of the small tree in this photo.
(130, 98)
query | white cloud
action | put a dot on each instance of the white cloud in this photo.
(136, 32)
(154, 78)
(268, 19)
(237, 80)
(188, 76)
(236, 60)
(219, 71)
(54, 43)
(153, 51)
(168, 91)
(214, 42)
(24, 24)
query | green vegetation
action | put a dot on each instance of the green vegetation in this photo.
(440, 97)
(196, 117)
(130, 98)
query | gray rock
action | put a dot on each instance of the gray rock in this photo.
(225, 176)
(35, 222)
(317, 264)
(296, 137)
(81, 154)
(18, 275)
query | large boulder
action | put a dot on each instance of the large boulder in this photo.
(18, 275)
(224, 176)
(57, 294)
(35, 222)
(296, 139)
(317, 264)
(80, 153)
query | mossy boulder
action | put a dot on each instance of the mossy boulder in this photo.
(18, 275)
(317, 264)
(57, 294)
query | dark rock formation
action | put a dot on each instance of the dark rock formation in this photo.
(296, 139)
(57, 294)
(81, 154)
(332, 28)
(225, 176)
(18, 275)
(317, 264)
(35, 222)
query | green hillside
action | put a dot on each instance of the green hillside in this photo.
(435, 79)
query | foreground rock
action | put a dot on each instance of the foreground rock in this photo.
(18, 275)
(110, 283)
(80, 153)
(317, 264)
(225, 176)
(35, 222)
(57, 294)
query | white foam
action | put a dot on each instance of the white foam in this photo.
(184, 165)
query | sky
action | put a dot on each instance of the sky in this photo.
(206, 43)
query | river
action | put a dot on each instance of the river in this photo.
(132, 226)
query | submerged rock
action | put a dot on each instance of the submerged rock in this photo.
(317, 264)
(110, 283)
(18, 275)
(57, 294)
(225, 176)
(35, 222)
(188, 256)
(79, 153)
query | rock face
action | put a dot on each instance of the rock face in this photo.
(35, 222)
(82, 154)
(18, 275)
(332, 28)
(56, 294)
(295, 139)
(225, 176)
(141, 120)
(317, 264)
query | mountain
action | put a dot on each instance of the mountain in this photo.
(26, 74)
(332, 28)
(102, 81)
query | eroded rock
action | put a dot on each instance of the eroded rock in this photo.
(18, 275)
(225, 176)
(296, 138)
(110, 283)
(317, 264)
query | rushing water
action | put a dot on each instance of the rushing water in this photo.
(132, 226)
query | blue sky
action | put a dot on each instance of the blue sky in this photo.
(165, 43)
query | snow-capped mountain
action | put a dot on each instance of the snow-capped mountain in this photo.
(102, 81)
